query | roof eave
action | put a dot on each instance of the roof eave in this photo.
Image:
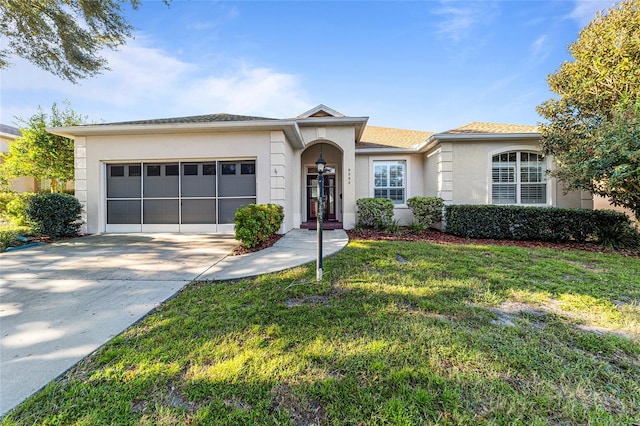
(386, 150)
(475, 137)
(289, 127)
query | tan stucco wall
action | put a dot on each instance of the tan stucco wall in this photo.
(472, 174)
(603, 203)
(92, 154)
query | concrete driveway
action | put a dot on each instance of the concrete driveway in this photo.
(60, 302)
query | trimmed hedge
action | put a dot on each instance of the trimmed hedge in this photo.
(376, 213)
(426, 210)
(255, 223)
(529, 223)
(55, 215)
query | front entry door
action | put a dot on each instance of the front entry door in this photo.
(329, 207)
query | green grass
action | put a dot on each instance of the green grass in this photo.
(458, 335)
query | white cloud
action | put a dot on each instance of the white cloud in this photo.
(540, 49)
(458, 19)
(146, 82)
(585, 10)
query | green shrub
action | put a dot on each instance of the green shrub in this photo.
(6, 198)
(416, 227)
(394, 228)
(376, 213)
(618, 235)
(528, 223)
(426, 210)
(255, 223)
(55, 215)
(16, 207)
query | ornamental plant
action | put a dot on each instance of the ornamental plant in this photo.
(255, 223)
(55, 215)
(426, 210)
(375, 213)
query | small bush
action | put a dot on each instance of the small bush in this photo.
(55, 215)
(426, 210)
(255, 223)
(416, 227)
(394, 228)
(618, 235)
(528, 223)
(376, 213)
(16, 208)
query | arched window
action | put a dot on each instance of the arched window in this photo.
(518, 178)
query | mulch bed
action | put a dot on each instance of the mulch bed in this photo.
(265, 244)
(433, 236)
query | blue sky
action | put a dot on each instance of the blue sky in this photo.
(424, 65)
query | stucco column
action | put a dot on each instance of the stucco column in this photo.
(80, 177)
(445, 172)
(278, 171)
(349, 187)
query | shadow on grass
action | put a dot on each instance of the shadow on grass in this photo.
(378, 342)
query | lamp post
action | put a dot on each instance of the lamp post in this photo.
(320, 163)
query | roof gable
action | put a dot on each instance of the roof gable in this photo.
(321, 111)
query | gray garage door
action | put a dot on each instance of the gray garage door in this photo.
(178, 196)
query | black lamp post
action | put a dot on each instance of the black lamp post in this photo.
(320, 163)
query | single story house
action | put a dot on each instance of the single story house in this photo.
(190, 174)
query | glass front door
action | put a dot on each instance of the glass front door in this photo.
(329, 207)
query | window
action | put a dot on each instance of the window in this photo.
(389, 180)
(134, 171)
(248, 168)
(228, 168)
(190, 170)
(117, 171)
(518, 178)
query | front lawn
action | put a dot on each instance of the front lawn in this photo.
(399, 333)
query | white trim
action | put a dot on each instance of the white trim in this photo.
(519, 148)
(407, 162)
(122, 228)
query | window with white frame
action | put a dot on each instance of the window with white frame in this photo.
(390, 180)
(518, 177)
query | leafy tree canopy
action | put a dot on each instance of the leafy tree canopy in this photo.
(63, 37)
(593, 127)
(40, 154)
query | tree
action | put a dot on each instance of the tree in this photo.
(64, 37)
(40, 154)
(593, 128)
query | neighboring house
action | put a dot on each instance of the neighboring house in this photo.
(7, 135)
(190, 174)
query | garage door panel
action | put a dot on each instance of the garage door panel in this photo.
(198, 211)
(123, 212)
(160, 212)
(228, 208)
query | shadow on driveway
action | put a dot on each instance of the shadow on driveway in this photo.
(60, 302)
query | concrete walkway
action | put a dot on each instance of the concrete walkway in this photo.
(60, 302)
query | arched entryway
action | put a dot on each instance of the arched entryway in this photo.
(332, 208)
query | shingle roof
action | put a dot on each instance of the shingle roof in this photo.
(209, 118)
(10, 130)
(478, 127)
(386, 137)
